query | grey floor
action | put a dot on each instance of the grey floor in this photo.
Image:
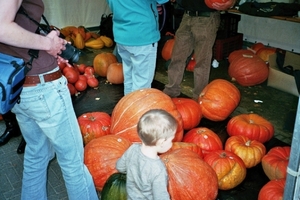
(11, 168)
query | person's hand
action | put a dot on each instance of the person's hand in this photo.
(57, 43)
(61, 60)
(223, 6)
(172, 1)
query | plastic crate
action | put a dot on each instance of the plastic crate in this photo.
(228, 25)
(223, 47)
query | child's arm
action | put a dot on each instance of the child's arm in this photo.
(121, 164)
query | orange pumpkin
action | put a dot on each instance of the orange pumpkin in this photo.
(272, 190)
(102, 61)
(101, 155)
(131, 107)
(265, 52)
(189, 176)
(187, 145)
(190, 112)
(167, 49)
(93, 125)
(255, 47)
(250, 151)
(115, 73)
(251, 125)
(230, 168)
(205, 138)
(276, 161)
(238, 53)
(219, 99)
(248, 70)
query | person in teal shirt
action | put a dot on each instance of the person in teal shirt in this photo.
(136, 33)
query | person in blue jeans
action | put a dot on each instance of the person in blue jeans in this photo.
(136, 33)
(45, 113)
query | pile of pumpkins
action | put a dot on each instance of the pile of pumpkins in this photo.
(199, 163)
(80, 37)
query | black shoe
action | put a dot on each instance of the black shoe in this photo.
(8, 134)
(21, 147)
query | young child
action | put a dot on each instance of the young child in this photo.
(147, 177)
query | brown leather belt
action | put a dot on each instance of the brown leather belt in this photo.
(35, 79)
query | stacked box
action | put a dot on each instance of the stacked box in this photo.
(223, 47)
(228, 25)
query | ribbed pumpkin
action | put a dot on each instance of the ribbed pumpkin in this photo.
(272, 190)
(115, 73)
(115, 187)
(187, 145)
(250, 151)
(131, 107)
(190, 177)
(238, 53)
(219, 99)
(102, 61)
(94, 125)
(276, 161)
(205, 138)
(248, 70)
(252, 125)
(190, 112)
(101, 155)
(230, 168)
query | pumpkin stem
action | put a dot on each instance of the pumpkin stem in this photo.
(248, 143)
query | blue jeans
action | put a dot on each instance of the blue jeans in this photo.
(139, 64)
(49, 126)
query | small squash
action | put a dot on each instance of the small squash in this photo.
(94, 44)
(115, 187)
(79, 41)
(108, 42)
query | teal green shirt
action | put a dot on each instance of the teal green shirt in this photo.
(135, 22)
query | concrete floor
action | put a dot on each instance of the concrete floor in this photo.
(278, 107)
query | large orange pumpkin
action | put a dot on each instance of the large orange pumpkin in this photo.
(219, 99)
(250, 151)
(102, 61)
(187, 145)
(238, 53)
(94, 125)
(190, 112)
(190, 177)
(272, 190)
(251, 125)
(205, 138)
(276, 161)
(101, 155)
(248, 70)
(115, 73)
(230, 168)
(131, 107)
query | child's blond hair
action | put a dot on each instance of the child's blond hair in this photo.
(156, 124)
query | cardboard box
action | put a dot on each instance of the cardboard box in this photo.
(280, 80)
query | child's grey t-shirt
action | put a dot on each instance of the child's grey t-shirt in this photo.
(147, 178)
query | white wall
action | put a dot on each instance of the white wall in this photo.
(61, 13)
(273, 32)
